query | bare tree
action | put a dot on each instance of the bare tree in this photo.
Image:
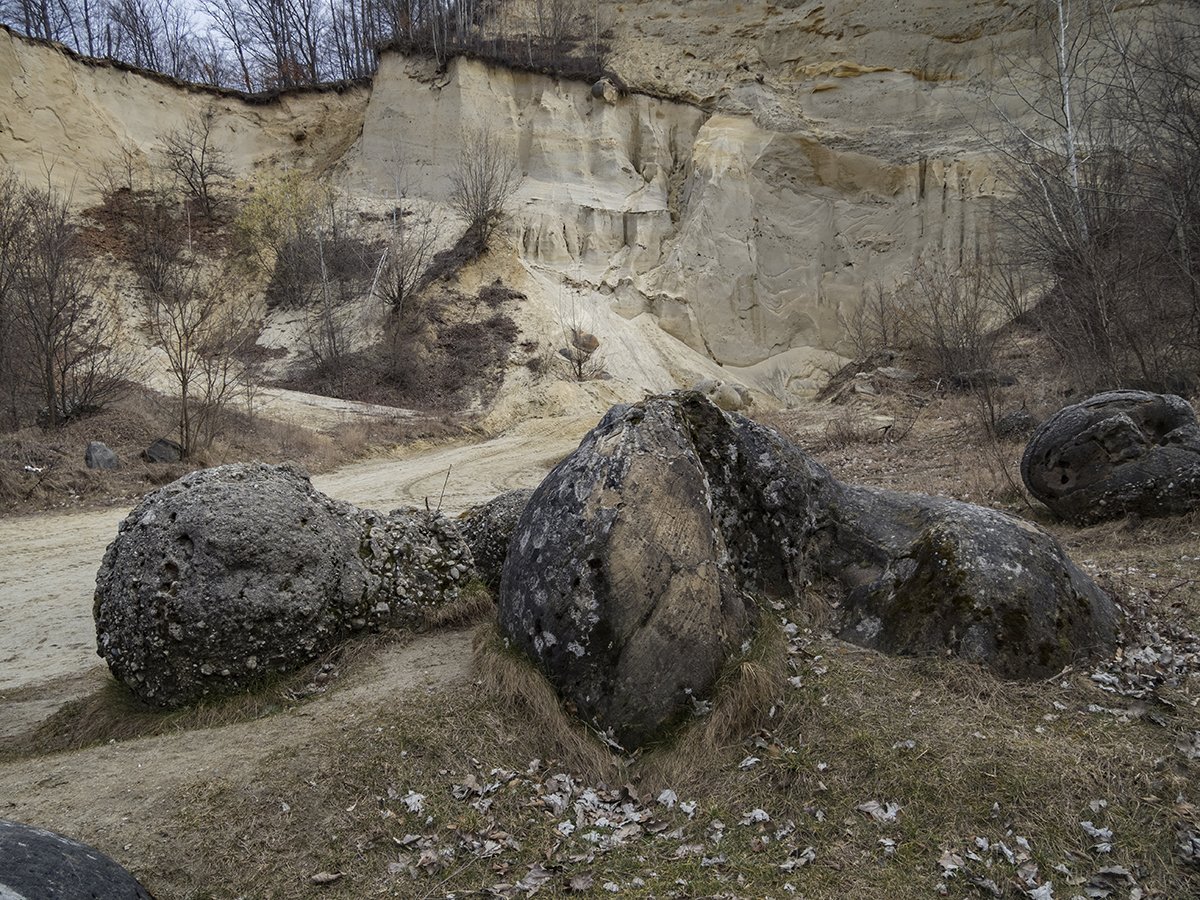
(1102, 160)
(410, 249)
(201, 322)
(68, 336)
(482, 183)
(14, 214)
(191, 154)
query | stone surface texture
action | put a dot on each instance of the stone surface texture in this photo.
(234, 573)
(488, 528)
(36, 864)
(1116, 454)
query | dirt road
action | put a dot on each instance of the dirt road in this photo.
(48, 561)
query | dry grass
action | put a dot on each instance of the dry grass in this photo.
(511, 684)
(988, 759)
(474, 603)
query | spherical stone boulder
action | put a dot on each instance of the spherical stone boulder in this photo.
(931, 576)
(1115, 454)
(225, 576)
(488, 528)
(36, 863)
(629, 577)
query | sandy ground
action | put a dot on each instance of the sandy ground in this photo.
(109, 792)
(49, 561)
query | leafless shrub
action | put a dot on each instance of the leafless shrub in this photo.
(874, 324)
(409, 252)
(483, 181)
(580, 347)
(201, 322)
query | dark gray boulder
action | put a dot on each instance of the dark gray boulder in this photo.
(932, 576)
(231, 574)
(1114, 454)
(99, 456)
(629, 577)
(163, 450)
(636, 568)
(1015, 423)
(36, 864)
(487, 530)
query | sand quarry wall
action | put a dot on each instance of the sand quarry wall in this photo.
(818, 149)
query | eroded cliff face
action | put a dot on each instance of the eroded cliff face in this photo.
(814, 150)
(69, 119)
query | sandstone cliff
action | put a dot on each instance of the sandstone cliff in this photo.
(811, 150)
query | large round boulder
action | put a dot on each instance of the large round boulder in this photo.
(224, 576)
(1115, 454)
(627, 579)
(232, 574)
(36, 863)
(931, 576)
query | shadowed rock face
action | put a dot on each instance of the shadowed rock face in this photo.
(929, 575)
(487, 530)
(37, 864)
(1114, 454)
(635, 570)
(230, 574)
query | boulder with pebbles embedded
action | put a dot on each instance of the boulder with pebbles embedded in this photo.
(636, 570)
(36, 863)
(416, 560)
(487, 530)
(628, 578)
(231, 574)
(1116, 454)
(932, 576)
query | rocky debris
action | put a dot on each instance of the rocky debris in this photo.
(416, 561)
(927, 575)
(978, 378)
(35, 862)
(635, 571)
(231, 574)
(163, 450)
(487, 530)
(892, 373)
(1015, 423)
(99, 456)
(1115, 454)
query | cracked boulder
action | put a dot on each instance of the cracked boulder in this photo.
(35, 862)
(1116, 454)
(637, 569)
(232, 574)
